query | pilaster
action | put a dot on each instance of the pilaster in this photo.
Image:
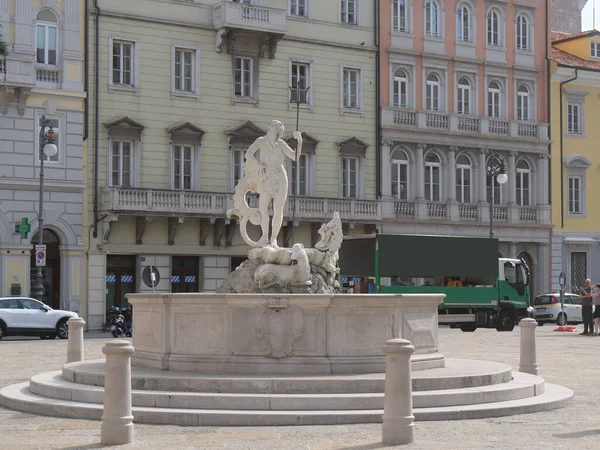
(386, 179)
(451, 185)
(24, 24)
(420, 178)
(482, 176)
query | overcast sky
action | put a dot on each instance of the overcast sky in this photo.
(587, 20)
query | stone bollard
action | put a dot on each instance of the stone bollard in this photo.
(75, 343)
(398, 420)
(528, 362)
(117, 419)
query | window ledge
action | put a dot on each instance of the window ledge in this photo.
(407, 33)
(305, 107)
(525, 52)
(117, 87)
(351, 111)
(249, 100)
(183, 94)
(466, 43)
(576, 136)
(577, 216)
(435, 38)
(500, 48)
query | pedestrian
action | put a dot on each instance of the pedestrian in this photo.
(597, 310)
(586, 308)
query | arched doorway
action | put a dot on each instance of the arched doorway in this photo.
(51, 273)
(529, 261)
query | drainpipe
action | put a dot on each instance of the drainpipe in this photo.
(96, 115)
(548, 94)
(562, 133)
(377, 103)
(87, 71)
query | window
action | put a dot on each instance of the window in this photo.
(463, 23)
(432, 94)
(523, 33)
(498, 193)
(350, 177)
(238, 165)
(400, 89)
(121, 163)
(351, 88)
(298, 8)
(182, 166)
(432, 177)
(300, 175)
(399, 175)
(463, 179)
(184, 274)
(578, 270)
(300, 82)
(523, 103)
(55, 123)
(46, 37)
(574, 123)
(32, 304)
(184, 71)
(595, 50)
(493, 28)
(243, 77)
(494, 99)
(464, 96)
(575, 194)
(348, 10)
(523, 183)
(122, 63)
(432, 19)
(400, 15)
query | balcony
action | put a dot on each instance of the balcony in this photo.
(230, 19)
(418, 120)
(47, 76)
(16, 82)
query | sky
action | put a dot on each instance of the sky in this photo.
(587, 19)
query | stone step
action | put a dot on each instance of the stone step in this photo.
(19, 397)
(458, 373)
(52, 385)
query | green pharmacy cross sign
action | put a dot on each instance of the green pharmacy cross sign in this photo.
(23, 228)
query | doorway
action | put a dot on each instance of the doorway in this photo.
(50, 273)
(120, 280)
(185, 274)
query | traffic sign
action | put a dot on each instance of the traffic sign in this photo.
(40, 255)
(150, 276)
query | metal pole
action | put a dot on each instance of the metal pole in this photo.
(491, 177)
(38, 292)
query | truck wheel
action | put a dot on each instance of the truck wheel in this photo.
(505, 321)
(468, 328)
(562, 319)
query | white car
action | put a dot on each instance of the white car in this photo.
(21, 316)
(547, 308)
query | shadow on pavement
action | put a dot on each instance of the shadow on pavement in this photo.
(364, 447)
(578, 434)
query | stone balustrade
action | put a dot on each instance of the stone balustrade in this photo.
(251, 17)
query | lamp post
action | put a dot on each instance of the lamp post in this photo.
(47, 149)
(495, 170)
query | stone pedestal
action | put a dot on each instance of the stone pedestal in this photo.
(75, 343)
(398, 419)
(117, 419)
(528, 362)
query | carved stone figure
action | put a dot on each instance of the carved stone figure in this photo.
(268, 178)
(279, 327)
(297, 273)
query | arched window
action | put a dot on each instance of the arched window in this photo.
(399, 175)
(46, 37)
(498, 191)
(463, 23)
(463, 179)
(400, 14)
(523, 33)
(523, 103)
(433, 182)
(432, 94)
(432, 24)
(493, 28)
(400, 89)
(463, 96)
(523, 183)
(494, 99)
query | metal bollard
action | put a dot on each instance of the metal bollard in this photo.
(117, 419)
(528, 363)
(75, 343)
(398, 420)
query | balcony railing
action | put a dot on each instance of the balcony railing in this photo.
(436, 210)
(467, 211)
(47, 76)
(460, 123)
(249, 17)
(404, 209)
(528, 214)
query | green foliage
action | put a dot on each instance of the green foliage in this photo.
(3, 45)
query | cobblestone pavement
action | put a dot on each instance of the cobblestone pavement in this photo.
(563, 358)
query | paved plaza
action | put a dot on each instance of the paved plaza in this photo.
(563, 358)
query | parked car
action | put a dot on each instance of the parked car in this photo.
(21, 316)
(547, 309)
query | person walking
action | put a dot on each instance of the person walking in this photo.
(586, 308)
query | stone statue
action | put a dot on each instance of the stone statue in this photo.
(284, 276)
(268, 178)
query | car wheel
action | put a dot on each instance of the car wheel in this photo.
(505, 321)
(62, 329)
(2, 330)
(468, 328)
(561, 319)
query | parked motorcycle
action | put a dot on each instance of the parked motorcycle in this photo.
(118, 324)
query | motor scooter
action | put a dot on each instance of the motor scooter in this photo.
(118, 326)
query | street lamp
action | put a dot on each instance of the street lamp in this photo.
(47, 149)
(495, 170)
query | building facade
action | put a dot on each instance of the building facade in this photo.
(460, 79)
(575, 86)
(43, 74)
(566, 15)
(179, 91)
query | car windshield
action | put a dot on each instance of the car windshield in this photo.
(543, 300)
(513, 273)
